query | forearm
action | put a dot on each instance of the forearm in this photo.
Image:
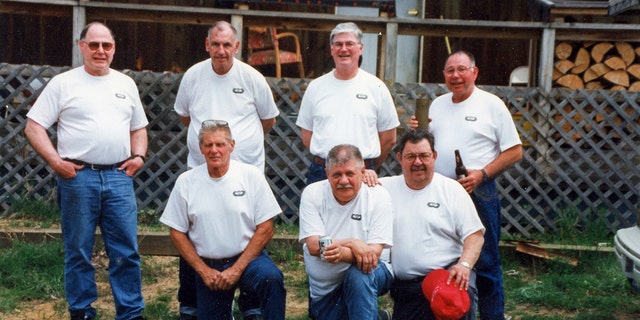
(267, 124)
(504, 161)
(138, 139)
(39, 140)
(186, 249)
(387, 141)
(264, 233)
(472, 247)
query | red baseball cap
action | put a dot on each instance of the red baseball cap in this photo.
(447, 301)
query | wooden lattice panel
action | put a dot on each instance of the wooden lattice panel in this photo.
(581, 148)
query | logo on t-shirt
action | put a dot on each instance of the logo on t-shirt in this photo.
(238, 90)
(120, 95)
(356, 216)
(470, 118)
(361, 96)
(239, 193)
(433, 205)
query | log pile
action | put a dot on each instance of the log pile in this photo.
(597, 65)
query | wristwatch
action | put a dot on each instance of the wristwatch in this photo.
(465, 264)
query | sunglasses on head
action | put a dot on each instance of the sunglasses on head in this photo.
(93, 46)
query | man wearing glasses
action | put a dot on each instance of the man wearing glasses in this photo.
(435, 226)
(347, 105)
(101, 143)
(221, 218)
(223, 87)
(479, 125)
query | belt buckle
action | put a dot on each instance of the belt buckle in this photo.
(94, 167)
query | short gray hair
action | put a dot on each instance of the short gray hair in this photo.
(346, 27)
(211, 126)
(342, 154)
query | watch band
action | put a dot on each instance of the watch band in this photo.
(465, 264)
(485, 177)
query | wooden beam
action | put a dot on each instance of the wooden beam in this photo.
(149, 242)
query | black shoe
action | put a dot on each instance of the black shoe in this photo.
(384, 315)
(80, 315)
(184, 316)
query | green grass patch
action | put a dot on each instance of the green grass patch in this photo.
(31, 271)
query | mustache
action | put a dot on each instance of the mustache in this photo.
(421, 167)
(344, 186)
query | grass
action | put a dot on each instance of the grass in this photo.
(534, 288)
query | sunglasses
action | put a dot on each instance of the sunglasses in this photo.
(93, 46)
(214, 123)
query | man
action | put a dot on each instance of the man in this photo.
(347, 105)
(479, 125)
(101, 143)
(435, 227)
(356, 269)
(220, 214)
(223, 87)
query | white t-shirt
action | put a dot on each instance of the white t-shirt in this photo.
(367, 217)
(430, 225)
(347, 112)
(241, 97)
(220, 214)
(95, 114)
(480, 127)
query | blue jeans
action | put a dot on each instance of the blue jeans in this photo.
(488, 268)
(102, 199)
(261, 278)
(355, 298)
(409, 302)
(248, 303)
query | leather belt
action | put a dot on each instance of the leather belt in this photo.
(320, 161)
(97, 167)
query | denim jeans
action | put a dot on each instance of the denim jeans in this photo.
(355, 298)
(489, 271)
(102, 199)
(261, 278)
(409, 302)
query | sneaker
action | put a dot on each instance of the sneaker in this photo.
(384, 315)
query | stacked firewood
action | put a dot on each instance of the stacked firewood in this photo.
(597, 65)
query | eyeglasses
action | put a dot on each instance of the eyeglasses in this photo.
(215, 124)
(460, 69)
(348, 44)
(93, 46)
(411, 157)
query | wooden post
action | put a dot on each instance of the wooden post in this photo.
(390, 52)
(79, 21)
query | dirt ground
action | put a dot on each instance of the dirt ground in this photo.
(165, 284)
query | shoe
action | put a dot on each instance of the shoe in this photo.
(184, 316)
(80, 315)
(254, 317)
(384, 315)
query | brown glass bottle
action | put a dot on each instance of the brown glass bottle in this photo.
(461, 171)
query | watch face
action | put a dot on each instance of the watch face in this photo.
(465, 264)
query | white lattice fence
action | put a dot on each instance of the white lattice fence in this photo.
(581, 148)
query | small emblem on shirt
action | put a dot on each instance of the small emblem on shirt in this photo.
(239, 193)
(356, 216)
(470, 118)
(361, 96)
(433, 205)
(238, 90)
(120, 96)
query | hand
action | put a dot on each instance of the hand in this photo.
(365, 256)
(472, 180)
(370, 177)
(209, 277)
(66, 169)
(227, 279)
(460, 275)
(132, 165)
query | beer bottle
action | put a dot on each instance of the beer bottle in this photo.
(461, 171)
